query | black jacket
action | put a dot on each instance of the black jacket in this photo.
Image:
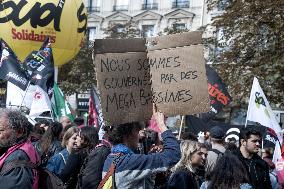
(69, 175)
(183, 179)
(257, 169)
(20, 177)
(91, 172)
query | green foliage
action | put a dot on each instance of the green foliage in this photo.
(120, 31)
(78, 75)
(172, 30)
(253, 32)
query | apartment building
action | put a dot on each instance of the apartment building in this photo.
(151, 16)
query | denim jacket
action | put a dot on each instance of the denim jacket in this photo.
(136, 170)
(57, 162)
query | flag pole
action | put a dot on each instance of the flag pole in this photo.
(26, 91)
(246, 121)
(250, 97)
(247, 115)
(180, 127)
(51, 112)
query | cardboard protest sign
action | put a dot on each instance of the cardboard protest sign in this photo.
(179, 82)
(171, 74)
(173, 41)
(124, 84)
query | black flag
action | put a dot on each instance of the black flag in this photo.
(40, 67)
(219, 96)
(197, 125)
(10, 67)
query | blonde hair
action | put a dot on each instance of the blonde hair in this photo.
(68, 134)
(188, 148)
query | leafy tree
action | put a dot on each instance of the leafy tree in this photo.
(119, 31)
(78, 75)
(253, 34)
(172, 30)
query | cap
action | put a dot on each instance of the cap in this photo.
(217, 132)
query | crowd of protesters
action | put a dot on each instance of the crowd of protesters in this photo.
(143, 158)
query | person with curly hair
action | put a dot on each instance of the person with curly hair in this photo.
(15, 147)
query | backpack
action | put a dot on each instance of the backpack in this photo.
(101, 149)
(108, 182)
(47, 180)
(220, 154)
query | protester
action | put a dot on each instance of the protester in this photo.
(87, 139)
(207, 139)
(231, 146)
(267, 156)
(217, 136)
(188, 136)
(228, 173)
(203, 137)
(157, 147)
(57, 162)
(214, 141)
(68, 127)
(193, 155)
(44, 124)
(279, 167)
(91, 171)
(79, 121)
(50, 143)
(143, 145)
(65, 129)
(36, 133)
(258, 170)
(148, 139)
(65, 121)
(14, 146)
(135, 170)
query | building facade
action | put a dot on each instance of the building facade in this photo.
(150, 16)
(153, 16)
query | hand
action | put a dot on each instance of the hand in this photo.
(156, 148)
(142, 134)
(160, 119)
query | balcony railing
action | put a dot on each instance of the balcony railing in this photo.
(93, 9)
(120, 7)
(180, 4)
(150, 6)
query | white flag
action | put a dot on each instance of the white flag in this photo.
(277, 153)
(260, 111)
(41, 103)
(16, 97)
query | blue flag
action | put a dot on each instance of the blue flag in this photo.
(40, 67)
